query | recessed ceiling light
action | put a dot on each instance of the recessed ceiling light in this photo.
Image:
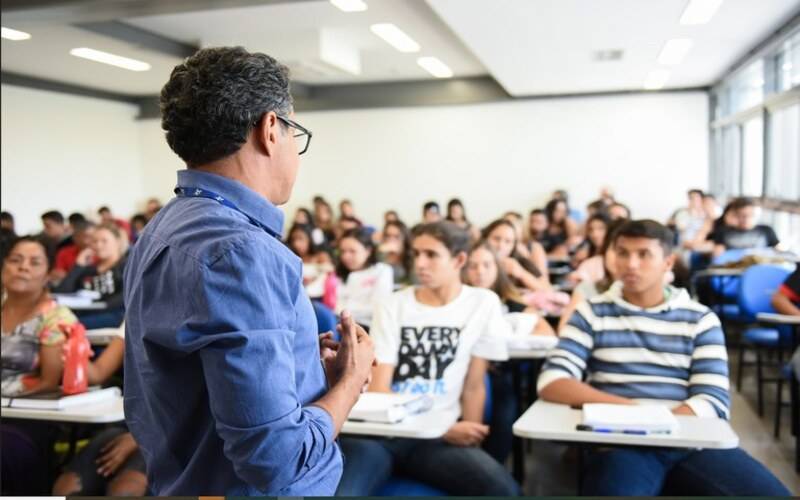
(700, 11)
(112, 59)
(656, 79)
(435, 67)
(15, 35)
(674, 51)
(350, 5)
(395, 37)
(608, 55)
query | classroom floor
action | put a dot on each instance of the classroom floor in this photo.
(551, 472)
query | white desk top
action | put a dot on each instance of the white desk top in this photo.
(556, 422)
(527, 353)
(102, 336)
(428, 425)
(783, 319)
(98, 413)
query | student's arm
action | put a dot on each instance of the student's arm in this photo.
(71, 282)
(381, 378)
(572, 233)
(560, 380)
(528, 280)
(473, 396)
(566, 314)
(539, 259)
(247, 354)
(783, 304)
(708, 372)
(109, 361)
(50, 369)
(718, 250)
(543, 328)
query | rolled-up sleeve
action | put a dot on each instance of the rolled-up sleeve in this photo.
(242, 331)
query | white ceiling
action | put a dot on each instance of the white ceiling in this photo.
(534, 47)
(531, 47)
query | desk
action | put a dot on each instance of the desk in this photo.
(428, 425)
(783, 319)
(556, 422)
(98, 413)
(102, 336)
(94, 306)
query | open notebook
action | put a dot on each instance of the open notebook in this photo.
(522, 325)
(388, 408)
(648, 419)
(56, 400)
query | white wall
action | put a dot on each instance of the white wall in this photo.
(67, 153)
(495, 157)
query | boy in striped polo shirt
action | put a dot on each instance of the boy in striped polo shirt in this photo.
(644, 342)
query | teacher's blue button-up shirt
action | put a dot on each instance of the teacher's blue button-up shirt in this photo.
(222, 354)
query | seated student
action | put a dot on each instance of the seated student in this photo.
(111, 464)
(618, 211)
(562, 232)
(346, 210)
(534, 251)
(152, 207)
(365, 281)
(435, 339)
(458, 216)
(83, 232)
(483, 270)
(138, 222)
(302, 216)
(689, 221)
(100, 268)
(431, 212)
(642, 341)
(501, 237)
(786, 299)
(34, 327)
(395, 250)
(7, 221)
(574, 213)
(744, 232)
(317, 263)
(55, 232)
(106, 217)
(323, 218)
(596, 229)
(346, 224)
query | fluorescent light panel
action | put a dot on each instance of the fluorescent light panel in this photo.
(674, 51)
(656, 79)
(112, 59)
(700, 11)
(435, 67)
(395, 37)
(350, 5)
(15, 35)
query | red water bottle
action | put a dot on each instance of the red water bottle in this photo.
(329, 291)
(76, 361)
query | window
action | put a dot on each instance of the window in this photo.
(753, 157)
(783, 178)
(787, 64)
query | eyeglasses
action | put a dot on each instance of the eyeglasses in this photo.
(303, 138)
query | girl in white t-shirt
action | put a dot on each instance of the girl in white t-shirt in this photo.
(364, 279)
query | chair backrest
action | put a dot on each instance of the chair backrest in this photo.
(487, 405)
(729, 256)
(756, 287)
(326, 319)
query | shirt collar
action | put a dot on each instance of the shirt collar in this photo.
(246, 200)
(673, 298)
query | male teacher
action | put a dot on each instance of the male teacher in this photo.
(225, 391)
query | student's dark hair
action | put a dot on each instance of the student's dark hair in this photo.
(6, 216)
(695, 191)
(76, 218)
(82, 225)
(512, 213)
(308, 215)
(214, 98)
(646, 228)
(550, 210)
(710, 196)
(139, 218)
(53, 215)
(308, 230)
(407, 258)
(741, 202)
(349, 218)
(561, 194)
(430, 205)
(455, 202)
(601, 217)
(606, 281)
(364, 237)
(7, 237)
(46, 248)
(454, 238)
(525, 263)
(538, 211)
(598, 206)
(103, 209)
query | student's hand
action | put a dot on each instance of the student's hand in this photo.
(683, 409)
(85, 257)
(512, 267)
(355, 356)
(466, 433)
(523, 250)
(114, 454)
(327, 353)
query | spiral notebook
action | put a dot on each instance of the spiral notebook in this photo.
(388, 408)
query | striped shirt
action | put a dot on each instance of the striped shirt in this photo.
(673, 353)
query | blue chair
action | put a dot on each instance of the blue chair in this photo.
(326, 319)
(404, 487)
(756, 286)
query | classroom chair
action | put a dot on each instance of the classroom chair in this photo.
(326, 319)
(756, 287)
